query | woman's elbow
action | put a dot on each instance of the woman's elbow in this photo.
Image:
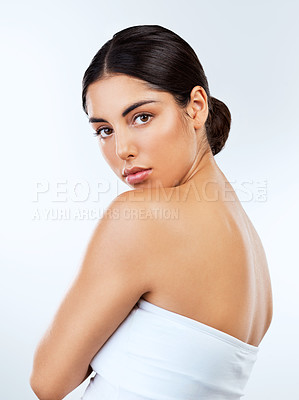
(42, 390)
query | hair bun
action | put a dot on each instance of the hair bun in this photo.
(218, 124)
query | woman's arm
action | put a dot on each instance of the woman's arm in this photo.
(110, 282)
(89, 371)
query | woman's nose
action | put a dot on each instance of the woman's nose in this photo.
(125, 144)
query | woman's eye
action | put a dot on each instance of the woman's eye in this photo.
(143, 117)
(98, 132)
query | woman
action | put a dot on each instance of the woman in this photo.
(174, 296)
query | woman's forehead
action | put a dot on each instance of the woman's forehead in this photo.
(122, 92)
(112, 82)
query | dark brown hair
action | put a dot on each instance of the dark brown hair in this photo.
(166, 62)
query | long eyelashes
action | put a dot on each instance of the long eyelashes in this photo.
(98, 131)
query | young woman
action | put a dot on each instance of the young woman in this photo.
(174, 295)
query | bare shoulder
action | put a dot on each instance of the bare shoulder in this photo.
(147, 209)
(151, 217)
(133, 225)
(169, 225)
(123, 232)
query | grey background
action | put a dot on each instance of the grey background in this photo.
(249, 51)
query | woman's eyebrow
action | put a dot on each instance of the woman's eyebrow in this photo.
(126, 111)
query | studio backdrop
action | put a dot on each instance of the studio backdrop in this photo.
(55, 184)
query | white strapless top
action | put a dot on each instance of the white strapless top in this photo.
(157, 354)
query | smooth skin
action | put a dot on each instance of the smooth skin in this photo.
(161, 141)
(206, 262)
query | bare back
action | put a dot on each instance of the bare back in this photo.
(209, 264)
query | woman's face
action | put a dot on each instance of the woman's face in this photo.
(151, 136)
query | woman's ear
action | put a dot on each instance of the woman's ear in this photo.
(198, 106)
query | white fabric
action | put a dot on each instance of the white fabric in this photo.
(156, 354)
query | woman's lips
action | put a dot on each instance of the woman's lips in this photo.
(138, 176)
